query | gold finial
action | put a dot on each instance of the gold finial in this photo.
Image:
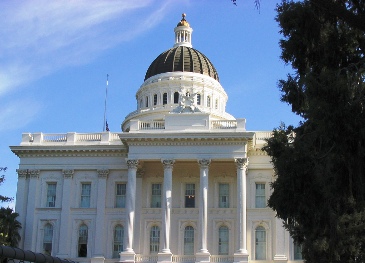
(183, 21)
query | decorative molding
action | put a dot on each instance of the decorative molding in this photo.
(68, 173)
(34, 173)
(132, 164)
(24, 152)
(168, 164)
(204, 163)
(103, 173)
(241, 163)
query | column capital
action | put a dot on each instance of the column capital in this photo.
(22, 173)
(204, 163)
(34, 173)
(167, 163)
(132, 163)
(241, 163)
(68, 173)
(103, 173)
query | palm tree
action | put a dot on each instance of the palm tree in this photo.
(9, 227)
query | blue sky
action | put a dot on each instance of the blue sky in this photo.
(55, 55)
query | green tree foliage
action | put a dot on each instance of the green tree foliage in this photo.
(319, 191)
(2, 179)
(9, 227)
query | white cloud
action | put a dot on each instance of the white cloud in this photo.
(39, 37)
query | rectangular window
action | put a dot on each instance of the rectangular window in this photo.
(155, 99)
(120, 195)
(297, 252)
(260, 198)
(190, 195)
(51, 195)
(198, 99)
(85, 195)
(164, 99)
(223, 195)
(156, 195)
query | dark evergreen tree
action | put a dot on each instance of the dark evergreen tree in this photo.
(319, 191)
(9, 227)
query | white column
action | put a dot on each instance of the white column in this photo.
(64, 247)
(203, 254)
(128, 254)
(166, 203)
(29, 241)
(280, 242)
(99, 242)
(241, 254)
(21, 201)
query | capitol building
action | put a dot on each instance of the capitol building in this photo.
(184, 181)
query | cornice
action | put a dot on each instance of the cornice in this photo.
(257, 152)
(69, 151)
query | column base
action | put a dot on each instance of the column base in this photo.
(202, 257)
(127, 256)
(240, 257)
(164, 257)
(280, 259)
(97, 259)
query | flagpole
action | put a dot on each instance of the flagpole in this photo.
(106, 97)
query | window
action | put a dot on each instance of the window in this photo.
(198, 99)
(260, 198)
(82, 247)
(297, 252)
(176, 97)
(216, 104)
(189, 240)
(155, 99)
(223, 195)
(140, 104)
(260, 243)
(47, 239)
(223, 242)
(118, 240)
(190, 195)
(156, 195)
(154, 239)
(208, 101)
(85, 195)
(120, 192)
(164, 98)
(51, 195)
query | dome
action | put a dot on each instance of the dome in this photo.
(182, 59)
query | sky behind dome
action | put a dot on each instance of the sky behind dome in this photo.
(55, 55)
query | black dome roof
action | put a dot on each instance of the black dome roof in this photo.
(183, 59)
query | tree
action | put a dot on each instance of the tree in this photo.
(9, 227)
(2, 179)
(319, 192)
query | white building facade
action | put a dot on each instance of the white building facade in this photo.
(183, 182)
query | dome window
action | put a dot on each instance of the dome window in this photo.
(164, 99)
(216, 104)
(155, 99)
(146, 102)
(208, 101)
(176, 97)
(198, 99)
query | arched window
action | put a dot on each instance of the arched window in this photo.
(198, 99)
(82, 247)
(47, 239)
(176, 97)
(189, 240)
(118, 240)
(216, 104)
(140, 103)
(155, 99)
(208, 101)
(164, 99)
(154, 239)
(260, 243)
(297, 251)
(146, 102)
(223, 244)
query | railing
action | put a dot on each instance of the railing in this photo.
(221, 259)
(88, 137)
(152, 125)
(56, 137)
(150, 259)
(15, 255)
(183, 258)
(224, 124)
